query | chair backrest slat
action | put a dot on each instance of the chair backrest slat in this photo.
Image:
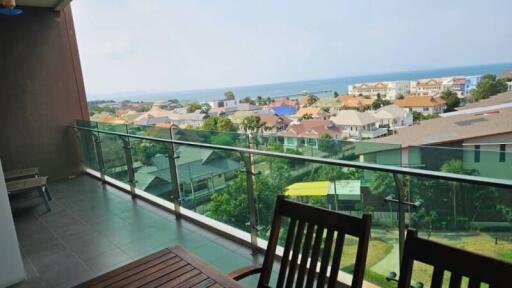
(455, 280)
(460, 263)
(286, 254)
(437, 278)
(305, 255)
(326, 255)
(295, 255)
(314, 256)
(309, 228)
(474, 283)
(336, 258)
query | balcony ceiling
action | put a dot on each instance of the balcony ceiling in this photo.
(56, 4)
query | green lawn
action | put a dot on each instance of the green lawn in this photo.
(483, 243)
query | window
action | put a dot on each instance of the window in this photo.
(477, 153)
(503, 154)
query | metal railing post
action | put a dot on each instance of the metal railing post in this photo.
(402, 191)
(99, 156)
(129, 164)
(176, 197)
(251, 196)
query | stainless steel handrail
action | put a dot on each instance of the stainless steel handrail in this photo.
(478, 180)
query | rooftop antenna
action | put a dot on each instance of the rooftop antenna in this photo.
(8, 7)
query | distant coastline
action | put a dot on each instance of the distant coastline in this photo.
(289, 88)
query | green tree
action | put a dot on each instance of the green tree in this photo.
(418, 116)
(424, 219)
(312, 99)
(457, 167)
(248, 100)
(252, 124)
(229, 95)
(144, 151)
(219, 123)
(487, 87)
(193, 107)
(506, 212)
(336, 94)
(451, 98)
(231, 206)
(379, 102)
(306, 116)
(400, 96)
(327, 144)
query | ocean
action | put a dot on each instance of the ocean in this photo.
(292, 88)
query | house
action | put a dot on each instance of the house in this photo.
(387, 89)
(456, 84)
(200, 172)
(427, 105)
(223, 103)
(274, 123)
(178, 116)
(307, 132)
(105, 117)
(355, 102)
(470, 83)
(238, 116)
(506, 75)
(368, 89)
(496, 102)
(168, 104)
(427, 87)
(486, 138)
(358, 125)
(149, 120)
(315, 112)
(393, 117)
(241, 107)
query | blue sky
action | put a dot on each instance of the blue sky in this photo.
(157, 45)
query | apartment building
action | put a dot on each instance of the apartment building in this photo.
(388, 89)
(427, 87)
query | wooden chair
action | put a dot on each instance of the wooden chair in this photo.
(460, 263)
(308, 228)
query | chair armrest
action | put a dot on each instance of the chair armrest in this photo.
(243, 272)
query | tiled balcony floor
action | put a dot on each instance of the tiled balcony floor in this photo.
(94, 228)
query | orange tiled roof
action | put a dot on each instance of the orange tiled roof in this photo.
(368, 86)
(420, 101)
(271, 120)
(312, 129)
(315, 111)
(429, 82)
(354, 101)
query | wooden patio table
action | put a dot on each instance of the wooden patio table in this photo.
(169, 267)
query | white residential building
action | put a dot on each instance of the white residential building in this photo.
(387, 89)
(358, 125)
(393, 117)
(427, 87)
(223, 103)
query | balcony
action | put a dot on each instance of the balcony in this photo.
(94, 228)
(443, 194)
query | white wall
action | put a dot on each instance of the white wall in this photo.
(11, 265)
